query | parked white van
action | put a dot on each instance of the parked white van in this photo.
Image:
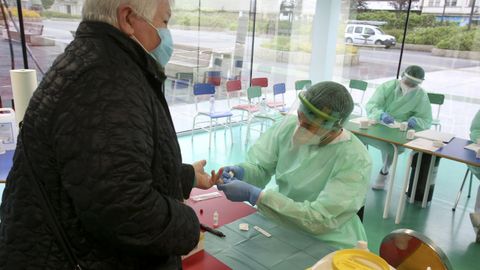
(368, 34)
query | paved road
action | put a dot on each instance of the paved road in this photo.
(374, 62)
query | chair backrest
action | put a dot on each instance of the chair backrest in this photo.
(279, 88)
(238, 63)
(217, 62)
(408, 249)
(358, 85)
(361, 86)
(185, 76)
(262, 82)
(234, 85)
(302, 84)
(254, 92)
(437, 99)
(203, 89)
(180, 84)
(213, 77)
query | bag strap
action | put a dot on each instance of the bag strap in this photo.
(47, 207)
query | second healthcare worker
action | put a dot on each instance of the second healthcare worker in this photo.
(399, 101)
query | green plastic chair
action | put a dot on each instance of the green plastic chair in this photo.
(437, 99)
(358, 85)
(302, 84)
(254, 94)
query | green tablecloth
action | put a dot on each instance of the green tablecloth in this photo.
(286, 249)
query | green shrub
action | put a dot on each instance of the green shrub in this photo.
(286, 43)
(397, 33)
(56, 14)
(461, 41)
(431, 35)
(397, 20)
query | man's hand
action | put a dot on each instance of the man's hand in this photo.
(202, 179)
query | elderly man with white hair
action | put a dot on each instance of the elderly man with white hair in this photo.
(97, 180)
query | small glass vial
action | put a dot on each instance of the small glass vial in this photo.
(363, 245)
(215, 219)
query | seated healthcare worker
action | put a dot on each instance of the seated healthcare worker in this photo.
(474, 136)
(322, 171)
(399, 101)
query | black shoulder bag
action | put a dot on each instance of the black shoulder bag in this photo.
(47, 207)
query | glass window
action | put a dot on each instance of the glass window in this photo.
(369, 31)
(350, 29)
(358, 29)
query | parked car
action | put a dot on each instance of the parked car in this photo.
(368, 34)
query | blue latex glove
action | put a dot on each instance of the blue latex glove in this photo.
(239, 191)
(238, 172)
(386, 118)
(412, 123)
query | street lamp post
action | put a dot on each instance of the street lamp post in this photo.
(471, 15)
(443, 12)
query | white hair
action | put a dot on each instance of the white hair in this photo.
(106, 10)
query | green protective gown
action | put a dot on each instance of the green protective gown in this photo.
(319, 189)
(474, 135)
(389, 98)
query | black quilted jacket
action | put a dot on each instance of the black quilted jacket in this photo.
(101, 139)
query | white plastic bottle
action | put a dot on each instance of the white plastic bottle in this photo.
(263, 106)
(215, 219)
(8, 129)
(212, 104)
(363, 245)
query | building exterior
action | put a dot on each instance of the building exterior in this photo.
(72, 7)
(453, 10)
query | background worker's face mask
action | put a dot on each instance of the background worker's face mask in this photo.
(407, 88)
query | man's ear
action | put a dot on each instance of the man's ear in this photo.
(124, 19)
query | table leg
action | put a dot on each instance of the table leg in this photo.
(390, 184)
(429, 179)
(415, 179)
(401, 203)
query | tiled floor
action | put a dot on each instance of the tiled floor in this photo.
(451, 231)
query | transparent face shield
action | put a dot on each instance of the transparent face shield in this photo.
(314, 126)
(409, 83)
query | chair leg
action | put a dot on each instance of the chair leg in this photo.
(231, 132)
(210, 134)
(470, 186)
(248, 130)
(193, 126)
(460, 191)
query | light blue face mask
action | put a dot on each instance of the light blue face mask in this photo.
(163, 52)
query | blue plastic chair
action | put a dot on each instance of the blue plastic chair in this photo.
(208, 90)
(278, 89)
(182, 83)
(213, 77)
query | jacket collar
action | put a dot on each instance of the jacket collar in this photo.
(130, 46)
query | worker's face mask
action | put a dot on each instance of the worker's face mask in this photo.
(303, 136)
(407, 87)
